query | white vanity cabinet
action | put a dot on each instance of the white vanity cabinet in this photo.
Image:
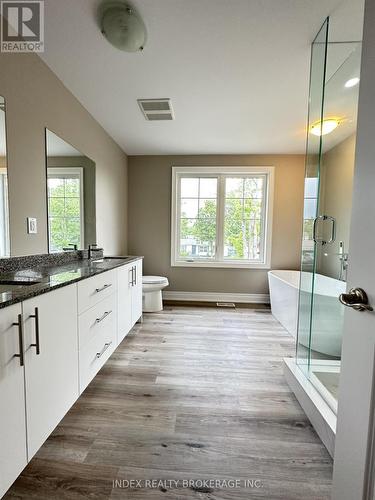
(97, 302)
(129, 297)
(124, 300)
(136, 292)
(51, 361)
(51, 347)
(13, 456)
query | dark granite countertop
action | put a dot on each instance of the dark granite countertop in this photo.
(52, 275)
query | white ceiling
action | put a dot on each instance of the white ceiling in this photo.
(237, 71)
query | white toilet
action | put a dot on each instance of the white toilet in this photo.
(151, 290)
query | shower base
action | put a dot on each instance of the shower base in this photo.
(318, 411)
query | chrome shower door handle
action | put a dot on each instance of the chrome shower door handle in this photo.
(333, 228)
(357, 299)
(332, 237)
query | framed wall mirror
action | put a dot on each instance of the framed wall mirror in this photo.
(70, 196)
(4, 200)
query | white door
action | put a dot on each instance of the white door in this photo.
(125, 274)
(12, 390)
(354, 453)
(137, 292)
(51, 361)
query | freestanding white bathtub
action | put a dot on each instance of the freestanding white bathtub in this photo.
(328, 312)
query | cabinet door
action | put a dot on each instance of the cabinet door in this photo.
(12, 396)
(137, 292)
(51, 371)
(124, 284)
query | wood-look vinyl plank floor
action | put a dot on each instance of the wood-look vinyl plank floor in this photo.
(192, 394)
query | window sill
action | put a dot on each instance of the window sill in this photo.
(223, 265)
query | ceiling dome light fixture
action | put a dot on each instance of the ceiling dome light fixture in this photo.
(122, 26)
(324, 127)
(352, 82)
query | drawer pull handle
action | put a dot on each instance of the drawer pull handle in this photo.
(100, 354)
(103, 287)
(20, 339)
(99, 320)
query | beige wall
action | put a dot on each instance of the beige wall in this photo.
(36, 99)
(337, 186)
(149, 221)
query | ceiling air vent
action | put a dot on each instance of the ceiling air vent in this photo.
(156, 109)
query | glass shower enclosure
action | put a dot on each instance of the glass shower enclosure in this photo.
(331, 133)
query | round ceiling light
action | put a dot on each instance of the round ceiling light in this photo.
(324, 127)
(352, 82)
(122, 26)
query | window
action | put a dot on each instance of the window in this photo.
(309, 214)
(65, 208)
(221, 217)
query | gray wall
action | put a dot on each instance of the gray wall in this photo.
(35, 99)
(150, 213)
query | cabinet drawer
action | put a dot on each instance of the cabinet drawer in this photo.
(94, 354)
(93, 290)
(100, 317)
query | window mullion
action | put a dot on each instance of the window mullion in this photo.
(220, 218)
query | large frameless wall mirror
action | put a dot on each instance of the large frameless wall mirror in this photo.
(4, 201)
(70, 196)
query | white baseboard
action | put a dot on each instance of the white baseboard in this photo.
(246, 298)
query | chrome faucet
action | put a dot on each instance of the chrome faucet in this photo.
(93, 248)
(344, 258)
(72, 247)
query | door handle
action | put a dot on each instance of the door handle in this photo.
(37, 343)
(133, 274)
(130, 278)
(356, 299)
(20, 339)
(333, 229)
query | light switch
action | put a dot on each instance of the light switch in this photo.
(32, 226)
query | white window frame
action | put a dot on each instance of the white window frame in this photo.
(4, 207)
(218, 261)
(56, 171)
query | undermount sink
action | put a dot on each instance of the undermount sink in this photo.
(10, 288)
(104, 259)
(18, 282)
(15, 285)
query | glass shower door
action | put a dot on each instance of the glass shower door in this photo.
(336, 170)
(313, 157)
(335, 70)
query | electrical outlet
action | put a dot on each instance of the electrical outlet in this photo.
(32, 226)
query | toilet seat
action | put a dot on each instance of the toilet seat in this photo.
(154, 280)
